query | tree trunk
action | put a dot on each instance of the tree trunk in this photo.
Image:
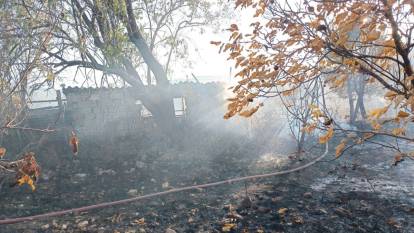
(361, 93)
(138, 40)
(148, 76)
(359, 106)
(352, 110)
(159, 101)
(301, 142)
(158, 98)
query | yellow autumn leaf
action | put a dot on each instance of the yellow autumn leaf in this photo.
(342, 40)
(20, 181)
(368, 136)
(282, 211)
(317, 44)
(373, 35)
(227, 47)
(16, 100)
(388, 43)
(249, 112)
(234, 35)
(228, 227)
(339, 148)
(326, 137)
(239, 60)
(314, 24)
(313, 106)
(409, 79)
(391, 2)
(339, 82)
(410, 102)
(309, 128)
(233, 55)
(25, 179)
(140, 221)
(31, 184)
(398, 131)
(287, 93)
(376, 126)
(390, 95)
(50, 76)
(316, 112)
(378, 112)
(402, 114)
(350, 62)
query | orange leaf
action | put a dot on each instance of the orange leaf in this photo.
(325, 138)
(2, 152)
(215, 42)
(376, 126)
(339, 148)
(140, 221)
(74, 143)
(373, 35)
(227, 227)
(250, 112)
(233, 28)
(390, 95)
(398, 131)
(25, 179)
(398, 158)
(378, 112)
(402, 114)
(309, 128)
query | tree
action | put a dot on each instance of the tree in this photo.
(118, 39)
(20, 54)
(104, 36)
(22, 69)
(164, 22)
(293, 43)
(356, 85)
(299, 109)
(22, 37)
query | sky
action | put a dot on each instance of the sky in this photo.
(208, 64)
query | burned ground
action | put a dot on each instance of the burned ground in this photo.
(360, 192)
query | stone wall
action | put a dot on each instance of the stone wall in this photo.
(118, 111)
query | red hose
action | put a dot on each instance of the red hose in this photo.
(175, 190)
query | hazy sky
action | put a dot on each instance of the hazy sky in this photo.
(208, 64)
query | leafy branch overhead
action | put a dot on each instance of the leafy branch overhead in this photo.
(291, 44)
